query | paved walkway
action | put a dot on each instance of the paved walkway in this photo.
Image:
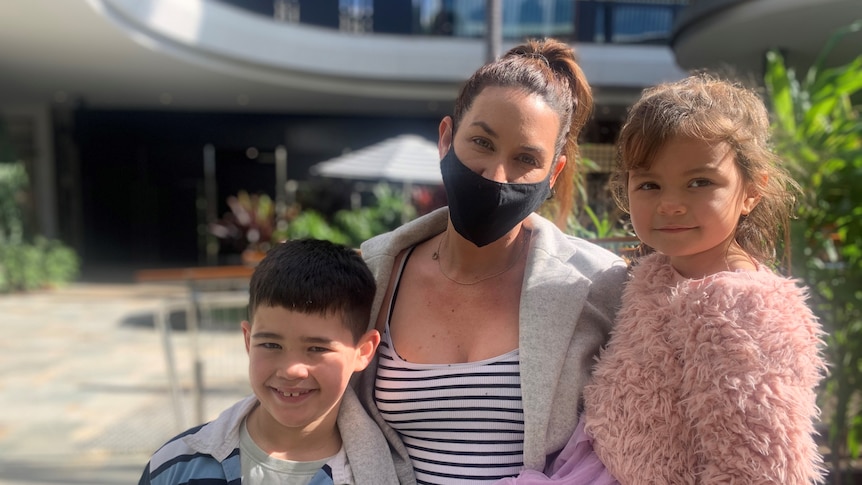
(84, 388)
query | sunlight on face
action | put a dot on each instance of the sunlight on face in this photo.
(687, 204)
(508, 136)
(299, 366)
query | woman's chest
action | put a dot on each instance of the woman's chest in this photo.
(450, 325)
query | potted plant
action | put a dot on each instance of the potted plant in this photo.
(248, 228)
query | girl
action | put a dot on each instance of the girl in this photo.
(711, 370)
(490, 315)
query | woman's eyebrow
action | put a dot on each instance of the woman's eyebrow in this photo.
(486, 128)
(490, 131)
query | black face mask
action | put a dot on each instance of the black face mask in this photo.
(483, 210)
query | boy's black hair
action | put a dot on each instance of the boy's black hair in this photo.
(315, 276)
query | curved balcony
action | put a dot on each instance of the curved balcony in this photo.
(736, 34)
(323, 60)
(591, 21)
(301, 56)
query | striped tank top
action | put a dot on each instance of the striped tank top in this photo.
(461, 423)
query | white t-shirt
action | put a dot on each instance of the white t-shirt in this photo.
(258, 468)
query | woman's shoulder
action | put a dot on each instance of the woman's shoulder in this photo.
(391, 243)
(548, 238)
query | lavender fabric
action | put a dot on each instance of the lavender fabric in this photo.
(577, 464)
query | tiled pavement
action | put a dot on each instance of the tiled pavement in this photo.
(84, 388)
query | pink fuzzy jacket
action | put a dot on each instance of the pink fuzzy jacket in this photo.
(708, 381)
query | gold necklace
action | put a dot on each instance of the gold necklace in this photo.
(436, 257)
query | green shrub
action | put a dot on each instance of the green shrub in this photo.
(26, 265)
(352, 227)
(20, 267)
(387, 214)
(60, 262)
(13, 184)
(311, 224)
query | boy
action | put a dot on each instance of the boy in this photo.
(309, 307)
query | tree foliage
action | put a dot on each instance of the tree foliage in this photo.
(818, 130)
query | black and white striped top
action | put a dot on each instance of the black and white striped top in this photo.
(461, 423)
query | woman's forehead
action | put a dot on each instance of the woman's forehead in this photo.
(507, 109)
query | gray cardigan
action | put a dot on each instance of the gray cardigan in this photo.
(569, 299)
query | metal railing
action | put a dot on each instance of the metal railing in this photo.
(201, 339)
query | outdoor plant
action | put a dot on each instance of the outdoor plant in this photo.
(27, 263)
(818, 130)
(310, 223)
(352, 227)
(386, 214)
(32, 266)
(252, 223)
(249, 225)
(603, 226)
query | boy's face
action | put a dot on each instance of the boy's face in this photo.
(300, 364)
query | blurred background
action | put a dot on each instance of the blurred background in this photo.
(152, 150)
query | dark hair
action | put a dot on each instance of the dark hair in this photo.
(549, 69)
(704, 107)
(315, 276)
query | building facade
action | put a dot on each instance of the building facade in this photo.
(112, 104)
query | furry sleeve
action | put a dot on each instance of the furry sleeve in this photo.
(751, 366)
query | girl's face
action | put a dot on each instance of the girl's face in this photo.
(687, 204)
(508, 136)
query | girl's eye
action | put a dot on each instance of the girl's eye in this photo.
(647, 186)
(700, 183)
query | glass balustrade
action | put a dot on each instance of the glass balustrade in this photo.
(591, 21)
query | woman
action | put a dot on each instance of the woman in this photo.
(490, 315)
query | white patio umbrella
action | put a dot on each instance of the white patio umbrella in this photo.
(408, 159)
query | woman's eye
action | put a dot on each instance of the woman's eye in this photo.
(529, 160)
(482, 142)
